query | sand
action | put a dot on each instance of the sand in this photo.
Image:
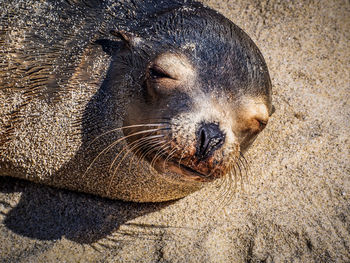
(296, 205)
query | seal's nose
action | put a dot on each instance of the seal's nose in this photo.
(209, 139)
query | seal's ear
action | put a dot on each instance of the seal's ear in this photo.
(126, 37)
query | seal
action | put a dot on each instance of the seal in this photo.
(143, 101)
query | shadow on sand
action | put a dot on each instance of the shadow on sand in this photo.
(46, 213)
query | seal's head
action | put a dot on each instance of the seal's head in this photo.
(201, 92)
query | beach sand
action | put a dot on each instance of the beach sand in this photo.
(295, 206)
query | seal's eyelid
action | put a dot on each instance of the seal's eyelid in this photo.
(157, 72)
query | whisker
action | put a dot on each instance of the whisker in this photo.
(232, 192)
(165, 119)
(239, 175)
(148, 151)
(245, 175)
(117, 168)
(226, 189)
(230, 180)
(116, 142)
(249, 172)
(179, 162)
(240, 164)
(169, 156)
(121, 152)
(152, 142)
(219, 184)
(235, 175)
(136, 142)
(214, 169)
(231, 177)
(238, 169)
(222, 187)
(159, 153)
(127, 127)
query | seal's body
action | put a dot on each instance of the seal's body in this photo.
(134, 100)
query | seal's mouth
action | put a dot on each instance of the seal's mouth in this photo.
(186, 172)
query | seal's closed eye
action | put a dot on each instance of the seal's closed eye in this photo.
(156, 72)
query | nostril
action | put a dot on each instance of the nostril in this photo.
(203, 142)
(209, 139)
